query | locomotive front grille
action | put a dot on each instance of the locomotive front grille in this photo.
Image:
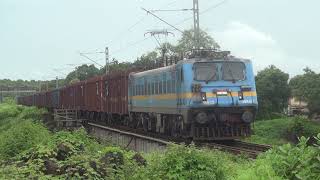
(222, 132)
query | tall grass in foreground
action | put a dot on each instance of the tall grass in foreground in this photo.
(29, 151)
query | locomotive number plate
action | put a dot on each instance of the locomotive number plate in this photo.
(209, 101)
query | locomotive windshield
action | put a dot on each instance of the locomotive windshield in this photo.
(233, 71)
(213, 71)
(205, 71)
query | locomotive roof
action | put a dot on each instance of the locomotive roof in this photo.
(193, 60)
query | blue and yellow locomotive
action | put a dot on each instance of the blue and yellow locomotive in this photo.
(204, 97)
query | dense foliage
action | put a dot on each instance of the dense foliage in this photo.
(306, 87)
(81, 73)
(181, 162)
(187, 41)
(273, 91)
(29, 151)
(283, 130)
(286, 162)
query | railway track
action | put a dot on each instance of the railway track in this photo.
(252, 150)
(137, 141)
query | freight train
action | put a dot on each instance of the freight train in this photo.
(208, 96)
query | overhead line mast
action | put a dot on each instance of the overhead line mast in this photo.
(196, 23)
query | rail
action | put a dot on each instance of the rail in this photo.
(252, 150)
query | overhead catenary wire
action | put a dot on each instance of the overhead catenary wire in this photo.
(169, 10)
(213, 6)
(129, 29)
(138, 22)
(60, 72)
(149, 12)
(130, 45)
(170, 3)
(202, 12)
(85, 56)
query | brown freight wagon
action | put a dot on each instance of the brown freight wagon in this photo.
(93, 94)
(67, 97)
(79, 89)
(115, 93)
(26, 100)
(48, 101)
(40, 99)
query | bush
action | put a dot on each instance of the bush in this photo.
(286, 162)
(8, 110)
(181, 162)
(270, 131)
(303, 127)
(22, 137)
(282, 131)
(296, 162)
(31, 113)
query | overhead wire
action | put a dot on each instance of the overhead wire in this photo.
(202, 12)
(134, 25)
(130, 45)
(85, 56)
(129, 29)
(149, 12)
(170, 3)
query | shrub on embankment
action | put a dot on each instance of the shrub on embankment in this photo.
(284, 130)
(75, 155)
(20, 129)
(28, 150)
(285, 162)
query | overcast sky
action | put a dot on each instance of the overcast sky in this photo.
(38, 36)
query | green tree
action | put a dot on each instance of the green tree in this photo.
(273, 91)
(186, 42)
(147, 60)
(115, 66)
(81, 73)
(306, 87)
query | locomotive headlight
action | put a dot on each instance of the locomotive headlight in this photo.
(240, 94)
(247, 117)
(204, 96)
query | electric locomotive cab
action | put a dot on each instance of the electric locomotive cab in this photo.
(223, 99)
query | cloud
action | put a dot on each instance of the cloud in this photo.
(247, 42)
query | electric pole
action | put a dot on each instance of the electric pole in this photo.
(57, 82)
(196, 23)
(1, 94)
(107, 59)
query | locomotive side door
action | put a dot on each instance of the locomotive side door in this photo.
(130, 92)
(179, 91)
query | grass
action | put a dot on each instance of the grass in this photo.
(280, 131)
(29, 151)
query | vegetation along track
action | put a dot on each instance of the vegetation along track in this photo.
(237, 147)
(233, 146)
